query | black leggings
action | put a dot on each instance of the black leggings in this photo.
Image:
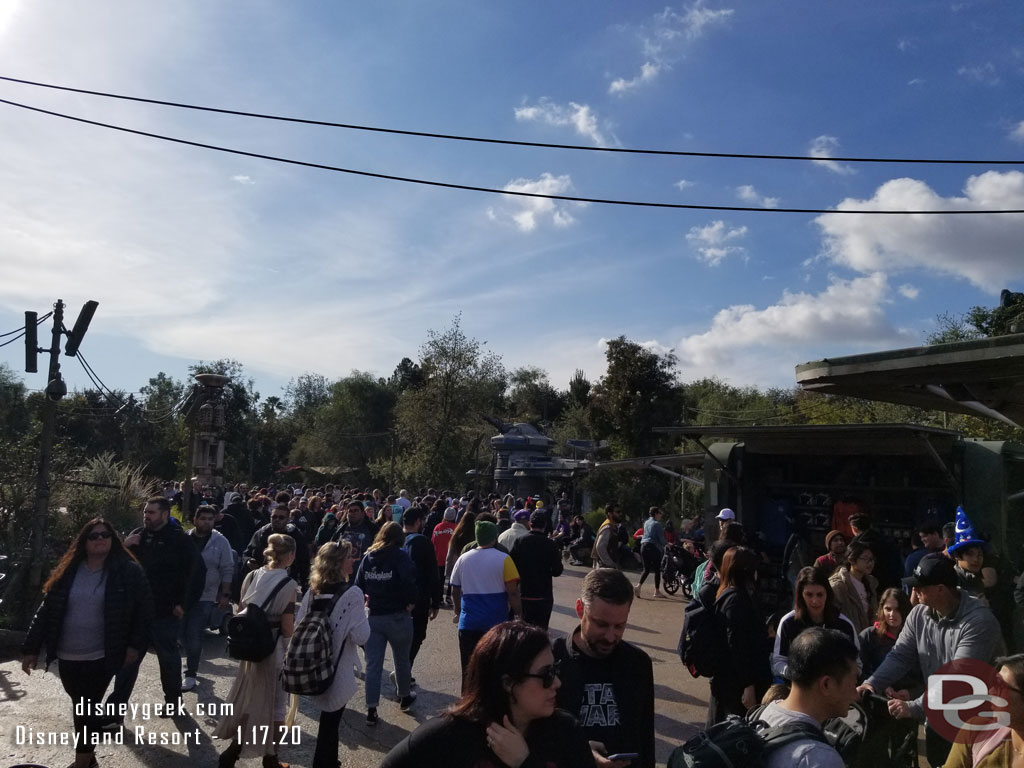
(326, 753)
(652, 563)
(85, 681)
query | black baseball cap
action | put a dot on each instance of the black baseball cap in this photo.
(934, 569)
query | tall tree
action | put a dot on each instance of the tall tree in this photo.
(439, 423)
(637, 393)
(531, 396)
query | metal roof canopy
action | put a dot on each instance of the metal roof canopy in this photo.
(984, 377)
(660, 464)
(832, 440)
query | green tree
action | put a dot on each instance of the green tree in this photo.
(531, 396)
(439, 425)
(637, 393)
(352, 428)
(579, 389)
(305, 396)
(407, 375)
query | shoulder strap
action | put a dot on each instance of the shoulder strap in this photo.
(274, 591)
(780, 735)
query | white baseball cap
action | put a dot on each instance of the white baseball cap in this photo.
(726, 514)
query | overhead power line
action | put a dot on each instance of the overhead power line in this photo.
(39, 321)
(493, 191)
(20, 335)
(507, 142)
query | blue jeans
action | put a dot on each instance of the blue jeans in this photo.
(163, 635)
(394, 629)
(196, 620)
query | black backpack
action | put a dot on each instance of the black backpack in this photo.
(250, 633)
(739, 742)
(699, 641)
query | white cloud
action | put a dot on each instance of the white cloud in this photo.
(984, 74)
(714, 242)
(915, 81)
(748, 194)
(984, 250)
(684, 184)
(1017, 134)
(664, 37)
(648, 72)
(530, 212)
(242, 179)
(825, 146)
(847, 312)
(909, 291)
(580, 117)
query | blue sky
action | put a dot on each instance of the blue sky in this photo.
(196, 255)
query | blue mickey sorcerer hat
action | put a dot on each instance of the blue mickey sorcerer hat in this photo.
(963, 533)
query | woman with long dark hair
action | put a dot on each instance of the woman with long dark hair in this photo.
(464, 534)
(506, 715)
(814, 605)
(742, 673)
(856, 590)
(93, 620)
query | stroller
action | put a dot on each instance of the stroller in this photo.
(678, 565)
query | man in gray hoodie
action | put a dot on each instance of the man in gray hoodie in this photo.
(947, 625)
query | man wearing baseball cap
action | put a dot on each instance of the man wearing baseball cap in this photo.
(946, 625)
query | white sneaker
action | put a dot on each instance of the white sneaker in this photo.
(660, 596)
(189, 684)
(636, 590)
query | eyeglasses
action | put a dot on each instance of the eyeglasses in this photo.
(279, 517)
(547, 675)
(97, 535)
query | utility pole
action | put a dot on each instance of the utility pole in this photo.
(55, 390)
(53, 394)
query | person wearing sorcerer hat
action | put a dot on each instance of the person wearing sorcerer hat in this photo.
(968, 551)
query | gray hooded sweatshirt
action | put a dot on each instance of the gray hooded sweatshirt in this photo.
(929, 641)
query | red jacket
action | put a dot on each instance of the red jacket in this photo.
(441, 537)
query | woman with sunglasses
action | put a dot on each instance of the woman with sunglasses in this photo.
(94, 618)
(506, 716)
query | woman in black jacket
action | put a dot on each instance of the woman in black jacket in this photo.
(94, 619)
(742, 672)
(506, 715)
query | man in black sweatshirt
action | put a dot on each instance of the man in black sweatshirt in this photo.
(608, 684)
(428, 585)
(539, 560)
(168, 557)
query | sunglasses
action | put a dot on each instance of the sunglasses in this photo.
(97, 535)
(547, 675)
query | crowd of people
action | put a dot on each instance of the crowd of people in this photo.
(375, 570)
(903, 619)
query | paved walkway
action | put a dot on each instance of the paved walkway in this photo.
(37, 707)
